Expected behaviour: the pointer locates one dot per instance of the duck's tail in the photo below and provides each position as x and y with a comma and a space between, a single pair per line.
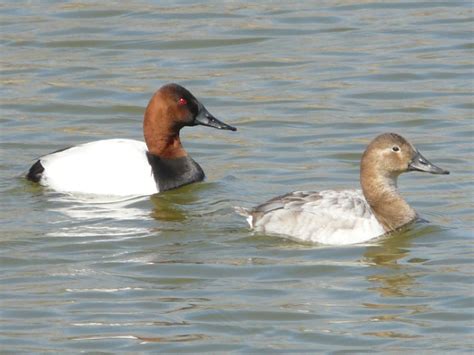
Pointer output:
247, 213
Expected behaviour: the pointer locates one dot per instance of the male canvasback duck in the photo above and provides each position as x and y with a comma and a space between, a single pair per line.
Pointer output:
348, 216
124, 167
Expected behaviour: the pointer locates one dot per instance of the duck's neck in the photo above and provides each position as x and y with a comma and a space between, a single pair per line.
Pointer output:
164, 146
161, 134
388, 206
171, 165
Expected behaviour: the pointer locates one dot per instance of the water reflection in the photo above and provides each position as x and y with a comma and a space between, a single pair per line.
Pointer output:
90, 208
88, 216
181, 204
165, 210
169, 205
395, 283
389, 251
395, 279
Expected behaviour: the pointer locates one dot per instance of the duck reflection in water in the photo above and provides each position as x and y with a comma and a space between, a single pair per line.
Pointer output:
88, 215
392, 260
170, 206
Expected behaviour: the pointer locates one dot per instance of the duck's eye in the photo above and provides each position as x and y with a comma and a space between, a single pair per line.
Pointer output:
395, 148
182, 101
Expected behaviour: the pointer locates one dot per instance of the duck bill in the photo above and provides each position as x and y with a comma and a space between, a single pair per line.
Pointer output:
420, 163
204, 118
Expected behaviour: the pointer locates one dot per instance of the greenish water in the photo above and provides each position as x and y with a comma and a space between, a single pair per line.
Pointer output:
308, 85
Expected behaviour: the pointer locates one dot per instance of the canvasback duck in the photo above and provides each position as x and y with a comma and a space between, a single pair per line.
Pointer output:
125, 167
348, 216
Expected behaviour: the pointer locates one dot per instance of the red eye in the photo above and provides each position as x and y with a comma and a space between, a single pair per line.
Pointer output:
182, 101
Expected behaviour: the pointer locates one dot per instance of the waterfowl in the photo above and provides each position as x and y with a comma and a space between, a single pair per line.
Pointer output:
348, 216
126, 167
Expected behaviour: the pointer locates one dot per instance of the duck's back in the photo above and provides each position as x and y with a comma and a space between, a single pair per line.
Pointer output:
329, 217
107, 167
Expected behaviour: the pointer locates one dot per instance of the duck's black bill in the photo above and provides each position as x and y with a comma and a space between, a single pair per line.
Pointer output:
420, 163
204, 118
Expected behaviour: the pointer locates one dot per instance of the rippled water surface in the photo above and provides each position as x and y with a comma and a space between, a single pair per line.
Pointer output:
308, 84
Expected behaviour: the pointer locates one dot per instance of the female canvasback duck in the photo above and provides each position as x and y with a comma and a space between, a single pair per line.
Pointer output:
348, 216
125, 167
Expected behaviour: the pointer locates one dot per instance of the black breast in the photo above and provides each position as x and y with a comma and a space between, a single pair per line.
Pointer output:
172, 173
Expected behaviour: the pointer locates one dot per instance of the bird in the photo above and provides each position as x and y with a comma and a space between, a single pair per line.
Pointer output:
126, 167
343, 217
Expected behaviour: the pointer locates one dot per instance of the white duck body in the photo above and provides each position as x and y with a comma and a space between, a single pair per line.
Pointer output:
106, 167
327, 217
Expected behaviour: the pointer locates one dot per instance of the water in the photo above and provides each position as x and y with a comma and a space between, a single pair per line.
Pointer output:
308, 85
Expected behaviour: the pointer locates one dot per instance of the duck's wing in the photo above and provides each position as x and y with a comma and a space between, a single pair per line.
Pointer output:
331, 217
293, 199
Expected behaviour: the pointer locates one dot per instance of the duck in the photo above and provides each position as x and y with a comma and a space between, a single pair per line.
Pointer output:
352, 216
127, 167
